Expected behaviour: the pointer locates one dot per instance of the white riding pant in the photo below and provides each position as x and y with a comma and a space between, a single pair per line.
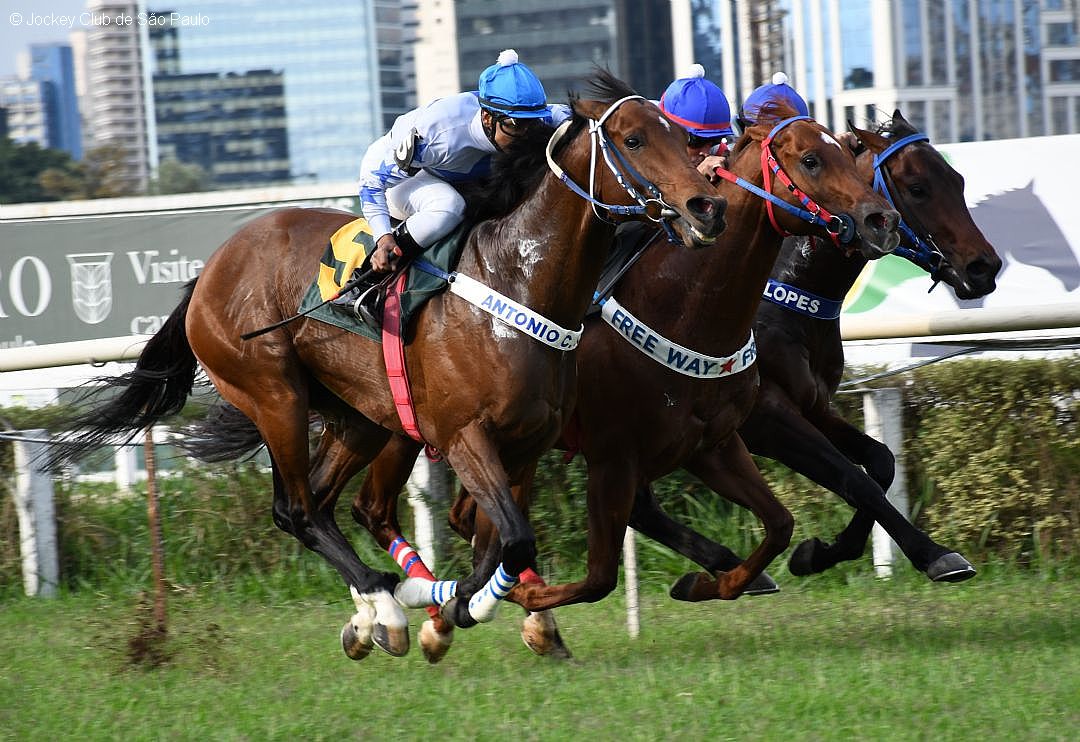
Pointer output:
430, 207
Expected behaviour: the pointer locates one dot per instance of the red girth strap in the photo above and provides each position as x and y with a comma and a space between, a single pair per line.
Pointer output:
394, 357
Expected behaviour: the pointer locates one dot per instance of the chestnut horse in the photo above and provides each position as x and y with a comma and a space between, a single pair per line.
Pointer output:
639, 419
489, 398
801, 361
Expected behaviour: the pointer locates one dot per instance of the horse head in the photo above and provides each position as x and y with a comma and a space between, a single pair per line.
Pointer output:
647, 165
929, 194
807, 159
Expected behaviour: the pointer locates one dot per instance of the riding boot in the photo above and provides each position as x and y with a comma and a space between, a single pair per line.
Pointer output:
368, 306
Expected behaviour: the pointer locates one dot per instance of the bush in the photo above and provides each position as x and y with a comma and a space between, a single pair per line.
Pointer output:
991, 447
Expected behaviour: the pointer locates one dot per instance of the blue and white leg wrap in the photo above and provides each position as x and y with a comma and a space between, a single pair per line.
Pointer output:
417, 592
485, 603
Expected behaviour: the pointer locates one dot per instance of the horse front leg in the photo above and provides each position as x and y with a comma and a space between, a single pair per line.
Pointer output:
650, 520
786, 436
729, 470
539, 630
610, 497
476, 460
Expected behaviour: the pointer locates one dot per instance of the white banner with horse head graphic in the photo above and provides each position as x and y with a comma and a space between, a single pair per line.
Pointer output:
1022, 196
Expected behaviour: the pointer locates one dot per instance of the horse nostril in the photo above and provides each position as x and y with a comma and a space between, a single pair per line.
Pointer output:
707, 208
882, 222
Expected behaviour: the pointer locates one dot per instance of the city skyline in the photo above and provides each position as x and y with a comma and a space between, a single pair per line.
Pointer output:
16, 39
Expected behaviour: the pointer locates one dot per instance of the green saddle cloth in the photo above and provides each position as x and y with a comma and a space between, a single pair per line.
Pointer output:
419, 287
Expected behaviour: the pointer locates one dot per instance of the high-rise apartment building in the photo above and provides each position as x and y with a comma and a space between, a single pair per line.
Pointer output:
118, 109
26, 117
435, 50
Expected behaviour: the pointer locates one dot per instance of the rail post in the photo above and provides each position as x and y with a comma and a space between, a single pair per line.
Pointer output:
37, 517
883, 418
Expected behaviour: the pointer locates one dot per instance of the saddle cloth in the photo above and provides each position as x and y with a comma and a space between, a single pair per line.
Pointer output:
347, 249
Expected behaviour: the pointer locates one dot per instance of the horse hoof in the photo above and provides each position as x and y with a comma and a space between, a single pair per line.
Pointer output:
950, 568
456, 611
801, 562
694, 587
357, 646
433, 644
394, 640
763, 584
541, 636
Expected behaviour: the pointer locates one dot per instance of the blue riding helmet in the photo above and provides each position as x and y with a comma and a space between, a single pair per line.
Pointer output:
698, 105
510, 88
779, 91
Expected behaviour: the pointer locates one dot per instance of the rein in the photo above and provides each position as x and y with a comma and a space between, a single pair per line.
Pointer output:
654, 208
923, 252
841, 228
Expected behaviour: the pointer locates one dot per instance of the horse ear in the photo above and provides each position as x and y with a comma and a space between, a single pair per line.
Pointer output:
590, 109
874, 142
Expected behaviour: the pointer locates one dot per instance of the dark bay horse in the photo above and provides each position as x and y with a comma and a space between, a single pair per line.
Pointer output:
638, 419
489, 398
801, 361
802, 358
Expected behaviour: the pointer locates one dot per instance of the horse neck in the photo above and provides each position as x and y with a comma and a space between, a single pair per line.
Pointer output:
546, 254
818, 266
706, 298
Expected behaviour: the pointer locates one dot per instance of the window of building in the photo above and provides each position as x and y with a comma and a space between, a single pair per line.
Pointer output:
913, 43
1059, 115
1065, 70
1060, 34
915, 113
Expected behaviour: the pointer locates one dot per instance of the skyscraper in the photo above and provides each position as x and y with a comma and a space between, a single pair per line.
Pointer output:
52, 66
561, 41
961, 69
326, 54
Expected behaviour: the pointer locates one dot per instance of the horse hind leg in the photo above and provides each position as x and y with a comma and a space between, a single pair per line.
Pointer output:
281, 415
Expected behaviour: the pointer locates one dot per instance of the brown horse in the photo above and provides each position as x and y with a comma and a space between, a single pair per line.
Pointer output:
640, 420
491, 399
801, 362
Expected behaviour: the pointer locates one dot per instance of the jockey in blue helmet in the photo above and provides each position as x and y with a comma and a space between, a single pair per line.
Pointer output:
779, 91
700, 106
407, 174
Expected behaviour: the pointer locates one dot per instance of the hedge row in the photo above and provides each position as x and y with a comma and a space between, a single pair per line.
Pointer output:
992, 451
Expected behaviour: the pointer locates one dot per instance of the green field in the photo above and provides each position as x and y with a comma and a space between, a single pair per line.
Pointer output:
997, 658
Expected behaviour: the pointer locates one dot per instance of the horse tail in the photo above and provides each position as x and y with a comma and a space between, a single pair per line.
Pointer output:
158, 387
225, 434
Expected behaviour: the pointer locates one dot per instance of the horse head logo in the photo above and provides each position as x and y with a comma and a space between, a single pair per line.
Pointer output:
1018, 224
91, 286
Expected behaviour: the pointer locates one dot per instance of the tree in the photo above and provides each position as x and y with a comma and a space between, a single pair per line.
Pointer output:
174, 176
21, 166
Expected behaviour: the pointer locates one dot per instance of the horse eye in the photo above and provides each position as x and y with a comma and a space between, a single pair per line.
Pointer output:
632, 142
917, 191
811, 162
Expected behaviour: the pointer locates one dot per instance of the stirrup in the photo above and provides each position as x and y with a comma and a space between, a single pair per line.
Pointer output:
364, 311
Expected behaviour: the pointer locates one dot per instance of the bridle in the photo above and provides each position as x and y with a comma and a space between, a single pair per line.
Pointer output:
840, 227
923, 250
653, 207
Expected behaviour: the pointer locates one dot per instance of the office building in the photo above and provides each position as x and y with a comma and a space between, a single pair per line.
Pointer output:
25, 114
562, 40
53, 67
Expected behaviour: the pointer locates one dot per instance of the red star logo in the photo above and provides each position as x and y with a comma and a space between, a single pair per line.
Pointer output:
727, 365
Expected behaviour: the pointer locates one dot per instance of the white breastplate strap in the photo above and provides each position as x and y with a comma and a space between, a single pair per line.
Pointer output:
673, 355
515, 315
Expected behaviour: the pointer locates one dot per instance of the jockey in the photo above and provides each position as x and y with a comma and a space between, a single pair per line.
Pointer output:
700, 107
407, 173
779, 91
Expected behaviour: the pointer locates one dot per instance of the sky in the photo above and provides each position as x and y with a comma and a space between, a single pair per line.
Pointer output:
23, 22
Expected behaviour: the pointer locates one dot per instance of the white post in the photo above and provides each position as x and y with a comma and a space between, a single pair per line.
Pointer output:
682, 35
883, 416
37, 519
124, 461
427, 484
633, 618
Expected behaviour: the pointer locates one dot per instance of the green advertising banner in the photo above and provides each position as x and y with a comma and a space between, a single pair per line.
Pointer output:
88, 276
